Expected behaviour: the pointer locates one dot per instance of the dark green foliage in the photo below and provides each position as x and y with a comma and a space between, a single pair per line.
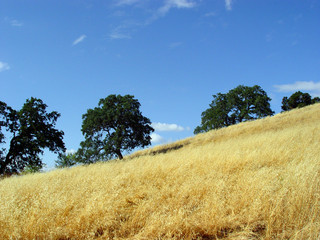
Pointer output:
315, 100
29, 169
217, 116
298, 100
239, 104
92, 151
66, 160
114, 126
33, 130
3, 124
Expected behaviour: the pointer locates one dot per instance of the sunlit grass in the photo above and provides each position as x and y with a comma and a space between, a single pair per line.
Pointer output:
255, 180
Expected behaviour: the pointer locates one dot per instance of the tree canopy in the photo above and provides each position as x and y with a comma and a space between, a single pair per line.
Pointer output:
116, 125
239, 104
298, 100
32, 130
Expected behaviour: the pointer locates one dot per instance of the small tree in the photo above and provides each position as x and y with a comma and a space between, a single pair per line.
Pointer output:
66, 160
239, 104
116, 125
29, 169
298, 100
315, 100
33, 130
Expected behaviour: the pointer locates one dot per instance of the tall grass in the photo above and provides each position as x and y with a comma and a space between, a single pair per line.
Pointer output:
255, 180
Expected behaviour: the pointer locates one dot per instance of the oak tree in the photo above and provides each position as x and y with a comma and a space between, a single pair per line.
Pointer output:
239, 104
32, 130
116, 125
298, 100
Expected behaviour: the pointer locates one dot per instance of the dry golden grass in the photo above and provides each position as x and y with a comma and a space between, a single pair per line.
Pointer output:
255, 180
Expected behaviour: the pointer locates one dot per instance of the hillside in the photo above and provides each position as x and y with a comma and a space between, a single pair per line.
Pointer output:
254, 180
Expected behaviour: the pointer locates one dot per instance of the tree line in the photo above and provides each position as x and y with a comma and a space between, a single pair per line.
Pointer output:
245, 103
115, 126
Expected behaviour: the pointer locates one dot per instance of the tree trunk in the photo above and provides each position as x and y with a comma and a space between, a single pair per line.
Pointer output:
118, 152
2, 167
9, 157
4, 164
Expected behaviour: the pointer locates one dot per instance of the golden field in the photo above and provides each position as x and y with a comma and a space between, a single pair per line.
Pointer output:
254, 180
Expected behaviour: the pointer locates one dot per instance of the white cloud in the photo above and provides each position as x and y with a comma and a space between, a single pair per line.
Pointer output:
13, 22
79, 39
70, 151
303, 85
311, 86
118, 35
156, 138
181, 3
161, 127
228, 4
126, 2
126, 29
269, 37
175, 44
210, 14
16, 23
175, 4
4, 66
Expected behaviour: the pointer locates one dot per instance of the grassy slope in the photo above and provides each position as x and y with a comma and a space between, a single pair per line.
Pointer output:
255, 180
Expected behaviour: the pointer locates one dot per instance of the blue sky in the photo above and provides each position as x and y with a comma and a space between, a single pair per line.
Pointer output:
172, 55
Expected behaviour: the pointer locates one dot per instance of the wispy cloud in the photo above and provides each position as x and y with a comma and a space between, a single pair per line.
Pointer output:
128, 27
312, 87
4, 66
125, 2
13, 22
228, 4
79, 39
169, 4
175, 44
119, 35
124, 30
16, 23
166, 127
210, 14
269, 37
